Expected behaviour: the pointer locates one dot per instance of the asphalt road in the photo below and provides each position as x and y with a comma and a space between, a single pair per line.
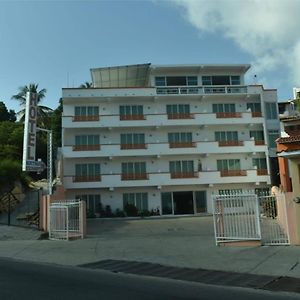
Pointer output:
24, 280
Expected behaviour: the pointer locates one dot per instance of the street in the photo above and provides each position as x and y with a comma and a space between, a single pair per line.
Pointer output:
24, 280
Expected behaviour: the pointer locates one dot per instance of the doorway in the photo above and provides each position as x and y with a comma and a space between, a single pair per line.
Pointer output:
183, 203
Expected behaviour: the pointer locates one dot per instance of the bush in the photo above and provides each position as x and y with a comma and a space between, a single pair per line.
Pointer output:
119, 213
144, 213
131, 210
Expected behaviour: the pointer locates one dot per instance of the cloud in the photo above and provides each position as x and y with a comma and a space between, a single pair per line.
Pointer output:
268, 30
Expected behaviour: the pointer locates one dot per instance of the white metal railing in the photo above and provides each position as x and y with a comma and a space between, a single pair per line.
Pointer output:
201, 90
65, 220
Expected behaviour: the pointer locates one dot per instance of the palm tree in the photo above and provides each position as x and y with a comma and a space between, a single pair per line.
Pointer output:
86, 85
42, 112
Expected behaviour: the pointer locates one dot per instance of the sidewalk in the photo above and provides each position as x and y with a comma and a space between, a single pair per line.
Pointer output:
181, 242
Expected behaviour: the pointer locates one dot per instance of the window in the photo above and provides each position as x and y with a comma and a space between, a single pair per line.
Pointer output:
201, 201
180, 139
227, 138
271, 110
192, 80
273, 135
86, 113
255, 109
139, 200
131, 112
176, 80
182, 169
134, 171
133, 141
230, 167
166, 203
93, 203
87, 172
261, 165
179, 111
86, 142
230, 191
258, 136
221, 80
235, 80
160, 81
223, 107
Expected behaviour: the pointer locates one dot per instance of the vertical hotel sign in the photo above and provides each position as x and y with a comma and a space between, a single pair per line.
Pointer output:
29, 142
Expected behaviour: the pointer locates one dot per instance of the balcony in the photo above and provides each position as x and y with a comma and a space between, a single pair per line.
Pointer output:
175, 175
205, 177
181, 116
200, 90
221, 115
132, 117
132, 146
261, 172
183, 145
259, 142
230, 143
163, 119
85, 118
86, 147
87, 178
141, 176
256, 114
230, 173
162, 149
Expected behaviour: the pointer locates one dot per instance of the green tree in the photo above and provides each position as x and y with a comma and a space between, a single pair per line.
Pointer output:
86, 85
42, 112
56, 124
6, 115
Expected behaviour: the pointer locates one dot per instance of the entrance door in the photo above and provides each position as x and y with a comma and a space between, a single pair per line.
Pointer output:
183, 203
166, 203
201, 203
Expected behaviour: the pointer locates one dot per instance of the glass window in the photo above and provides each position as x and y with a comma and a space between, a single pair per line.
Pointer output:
226, 136
128, 110
206, 80
166, 203
201, 201
228, 164
255, 107
223, 107
192, 80
273, 136
176, 80
258, 135
235, 80
271, 110
260, 163
160, 81
139, 200
220, 80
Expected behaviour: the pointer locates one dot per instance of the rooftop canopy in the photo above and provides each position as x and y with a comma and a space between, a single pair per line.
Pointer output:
121, 76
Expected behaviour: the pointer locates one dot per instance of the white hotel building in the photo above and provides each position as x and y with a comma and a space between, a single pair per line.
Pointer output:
167, 137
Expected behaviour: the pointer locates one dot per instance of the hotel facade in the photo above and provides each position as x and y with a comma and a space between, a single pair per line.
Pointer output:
167, 137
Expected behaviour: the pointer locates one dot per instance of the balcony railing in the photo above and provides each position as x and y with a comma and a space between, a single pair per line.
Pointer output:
132, 117
256, 114
220, 115
261, 172
175, 175
201, 90
259, 142
87, 178
141, 176
182, 145
85, 118
229, 173
181, 116
230, 143
133, 146
86, 147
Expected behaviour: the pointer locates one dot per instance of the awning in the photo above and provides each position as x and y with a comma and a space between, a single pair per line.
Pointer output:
121, 76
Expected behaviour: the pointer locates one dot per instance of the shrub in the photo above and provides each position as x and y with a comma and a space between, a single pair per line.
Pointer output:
131, 210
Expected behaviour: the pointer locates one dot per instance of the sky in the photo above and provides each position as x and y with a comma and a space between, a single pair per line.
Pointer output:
55, 43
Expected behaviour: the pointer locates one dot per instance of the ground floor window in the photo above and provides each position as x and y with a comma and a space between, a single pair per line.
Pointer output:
139, 200
92, 202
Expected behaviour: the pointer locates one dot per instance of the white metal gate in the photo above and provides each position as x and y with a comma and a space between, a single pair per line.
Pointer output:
65, 220
244, 217
236, 218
